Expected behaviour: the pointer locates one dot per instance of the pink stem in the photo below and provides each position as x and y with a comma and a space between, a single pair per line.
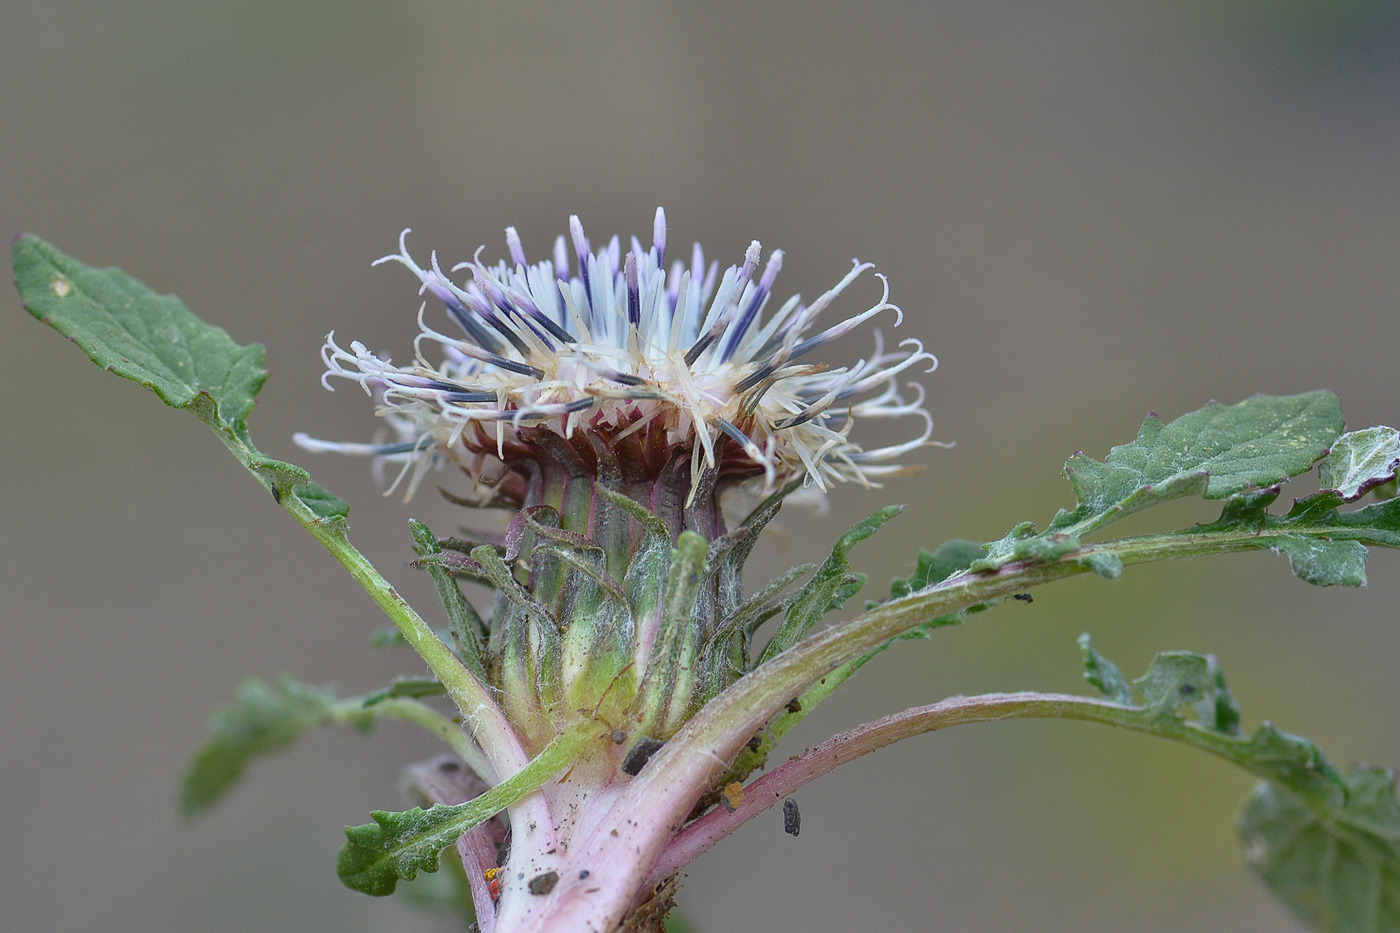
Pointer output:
447, 780
799, 770
653, 807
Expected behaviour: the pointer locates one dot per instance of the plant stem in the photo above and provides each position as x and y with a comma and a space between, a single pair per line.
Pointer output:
800, 770
477, 846
488, 724
423, 715
654, 806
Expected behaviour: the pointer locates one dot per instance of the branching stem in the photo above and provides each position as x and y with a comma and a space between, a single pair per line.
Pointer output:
421, 714
688, 764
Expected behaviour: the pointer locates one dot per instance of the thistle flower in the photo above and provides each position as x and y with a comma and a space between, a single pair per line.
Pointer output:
609, 402
687, 368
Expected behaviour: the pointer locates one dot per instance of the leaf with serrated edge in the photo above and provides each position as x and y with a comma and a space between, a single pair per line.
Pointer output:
1337, 868
155, 341
1215, 452
1262, 440
129, 330
1360, 461
396, 846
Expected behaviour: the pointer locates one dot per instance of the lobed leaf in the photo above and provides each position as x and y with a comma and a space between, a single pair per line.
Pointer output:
1324, 545
1327, 845
1216, 452
396, 846
1184, 696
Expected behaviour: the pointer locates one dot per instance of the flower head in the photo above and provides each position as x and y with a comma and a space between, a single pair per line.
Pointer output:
689, 369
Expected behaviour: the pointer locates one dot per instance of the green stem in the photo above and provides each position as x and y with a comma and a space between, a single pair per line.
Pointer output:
396, 846
753, 699
479, 710
349, 711
555, 756
688, 764
764, 691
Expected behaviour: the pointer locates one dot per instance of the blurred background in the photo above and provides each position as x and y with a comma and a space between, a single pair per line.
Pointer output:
1088, 210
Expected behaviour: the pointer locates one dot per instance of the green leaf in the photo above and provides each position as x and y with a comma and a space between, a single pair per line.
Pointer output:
1175, 679
1022, 543
1229, 452
1324, 563
129, 330
1360, 461
1104, 675
1328, 845
1337, 867
1215, 452
446, 893
396, 846
263, 721
1184, 697
155, 341
411, 687
1375, 524
1104, 563
1293, 762
829, 588
323, 503
1324, 545
468, 629
936, 566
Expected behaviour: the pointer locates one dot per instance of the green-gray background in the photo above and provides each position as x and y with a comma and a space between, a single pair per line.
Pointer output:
1087, 210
